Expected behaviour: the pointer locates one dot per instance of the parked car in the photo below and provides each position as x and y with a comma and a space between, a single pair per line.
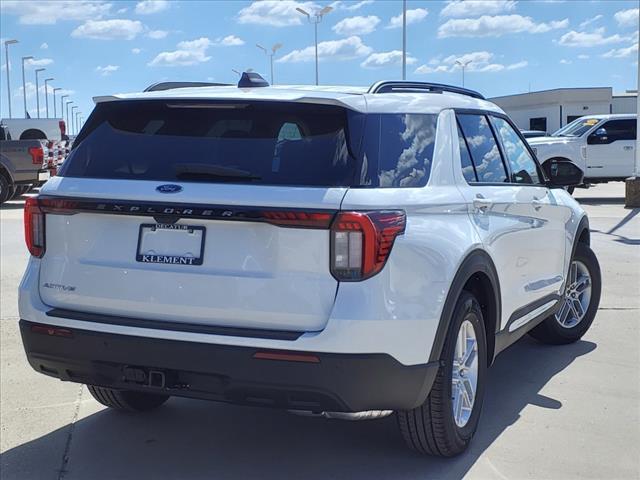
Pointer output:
36, 128
352, 251
22, 165
603, 146
533, 133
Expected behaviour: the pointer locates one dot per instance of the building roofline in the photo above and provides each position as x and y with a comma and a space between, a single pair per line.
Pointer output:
550, 90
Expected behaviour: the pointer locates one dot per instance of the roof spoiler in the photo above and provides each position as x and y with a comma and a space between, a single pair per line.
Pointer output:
391, 86
157, 87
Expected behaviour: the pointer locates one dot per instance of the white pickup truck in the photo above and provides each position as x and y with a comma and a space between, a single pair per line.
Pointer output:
603, 146
54, 129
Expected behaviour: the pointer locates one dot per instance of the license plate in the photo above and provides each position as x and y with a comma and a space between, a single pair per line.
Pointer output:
170, 243
43, 176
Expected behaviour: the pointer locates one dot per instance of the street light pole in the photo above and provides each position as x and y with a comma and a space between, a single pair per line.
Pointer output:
55, 115
404, 39
274, 49
67, 109
62, 97
24, 86
463, 65
73, 116
632, 184
46, 94
6, 64
317, 18
38, 70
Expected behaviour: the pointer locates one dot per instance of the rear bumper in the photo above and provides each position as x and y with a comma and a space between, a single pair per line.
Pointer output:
336, 382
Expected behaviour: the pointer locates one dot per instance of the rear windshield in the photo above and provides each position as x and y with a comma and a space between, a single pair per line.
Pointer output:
269, 143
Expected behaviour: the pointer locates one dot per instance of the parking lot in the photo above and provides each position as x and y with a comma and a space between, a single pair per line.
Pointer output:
550, 412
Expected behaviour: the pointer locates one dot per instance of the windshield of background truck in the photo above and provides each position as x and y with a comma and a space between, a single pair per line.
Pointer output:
577, 128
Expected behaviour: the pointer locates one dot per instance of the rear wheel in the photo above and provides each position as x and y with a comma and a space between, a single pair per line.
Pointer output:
445, 423
579, 304
6, 190
127, 400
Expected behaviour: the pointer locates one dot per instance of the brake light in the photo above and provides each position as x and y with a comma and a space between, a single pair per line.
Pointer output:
361, 242
63, 129
34, 227
37, 155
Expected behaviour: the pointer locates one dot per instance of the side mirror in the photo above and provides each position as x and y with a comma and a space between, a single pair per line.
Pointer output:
599, 136
565, 174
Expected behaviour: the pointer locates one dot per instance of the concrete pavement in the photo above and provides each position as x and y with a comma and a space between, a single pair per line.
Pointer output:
550, 412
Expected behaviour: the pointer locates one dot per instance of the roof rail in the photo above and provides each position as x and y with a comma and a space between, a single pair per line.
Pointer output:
157, 87
389, 86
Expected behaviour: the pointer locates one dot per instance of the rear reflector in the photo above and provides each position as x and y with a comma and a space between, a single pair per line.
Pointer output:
361, 242
52, 331
34, 227
286, 356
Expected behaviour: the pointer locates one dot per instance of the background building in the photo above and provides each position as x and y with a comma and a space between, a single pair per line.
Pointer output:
548, 110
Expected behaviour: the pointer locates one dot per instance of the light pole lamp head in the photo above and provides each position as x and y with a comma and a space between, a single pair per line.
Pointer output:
276, 47
40, 70
324, 11
49, 79
57, 88
24, 59
261, 48
303, 12
10, 42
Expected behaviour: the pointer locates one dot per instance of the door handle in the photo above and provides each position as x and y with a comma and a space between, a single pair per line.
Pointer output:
482, 204
537, 204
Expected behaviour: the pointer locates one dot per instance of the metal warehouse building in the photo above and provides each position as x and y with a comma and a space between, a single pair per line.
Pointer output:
548, 110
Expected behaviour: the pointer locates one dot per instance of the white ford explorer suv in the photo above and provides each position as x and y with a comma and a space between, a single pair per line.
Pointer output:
346, 251
601, 145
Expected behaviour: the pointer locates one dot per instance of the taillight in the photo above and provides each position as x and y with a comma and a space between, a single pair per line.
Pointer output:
361, 242
34, 227
37, 155
63, 129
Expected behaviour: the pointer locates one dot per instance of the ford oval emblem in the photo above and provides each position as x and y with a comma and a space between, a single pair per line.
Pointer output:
169, 188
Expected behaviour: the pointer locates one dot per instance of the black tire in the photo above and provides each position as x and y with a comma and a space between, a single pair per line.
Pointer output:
550, 331
431, 428
127, 400
570, 190
5, 189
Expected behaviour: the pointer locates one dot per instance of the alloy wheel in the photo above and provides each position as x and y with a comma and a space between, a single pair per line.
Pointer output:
577, 296
464, 379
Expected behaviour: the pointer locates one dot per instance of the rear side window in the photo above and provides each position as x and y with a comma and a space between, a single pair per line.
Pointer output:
255, 142
620, 129
523, 166
484, 150
468, 169
401, 146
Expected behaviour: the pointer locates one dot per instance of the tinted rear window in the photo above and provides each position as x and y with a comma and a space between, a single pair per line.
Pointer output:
266, 143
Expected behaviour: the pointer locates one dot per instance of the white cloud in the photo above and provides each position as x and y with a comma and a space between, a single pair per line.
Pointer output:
148, 7
135, 51
187, 53
473, 8
413, 16
345, 49
275, 13
122, 10
583, 57
627, 18
350, 6
40, 62
229, 41
157, 34
107, 70
48, 13
356, 25
482, 61
564, 61
589, 39
621, 52
496, 26
386, 59
115, 29
589, 21
44, 46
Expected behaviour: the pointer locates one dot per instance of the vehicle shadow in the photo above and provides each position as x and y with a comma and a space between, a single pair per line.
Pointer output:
197, 439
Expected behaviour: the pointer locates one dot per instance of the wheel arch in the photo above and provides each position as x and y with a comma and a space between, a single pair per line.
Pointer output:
33, 134
476, 274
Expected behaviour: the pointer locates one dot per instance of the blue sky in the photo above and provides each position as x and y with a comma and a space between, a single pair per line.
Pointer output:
98, 48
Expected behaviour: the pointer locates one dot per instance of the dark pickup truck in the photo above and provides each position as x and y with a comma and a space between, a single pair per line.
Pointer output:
22, 165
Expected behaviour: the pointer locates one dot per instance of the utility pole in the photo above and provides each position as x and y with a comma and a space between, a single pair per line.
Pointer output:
317, 18
24, 86
632, 184
46, 94
404, 39
62, 97
6, 64
67, 120
73, 116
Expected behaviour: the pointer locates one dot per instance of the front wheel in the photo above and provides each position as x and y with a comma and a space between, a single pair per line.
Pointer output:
579, 302
445, 423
